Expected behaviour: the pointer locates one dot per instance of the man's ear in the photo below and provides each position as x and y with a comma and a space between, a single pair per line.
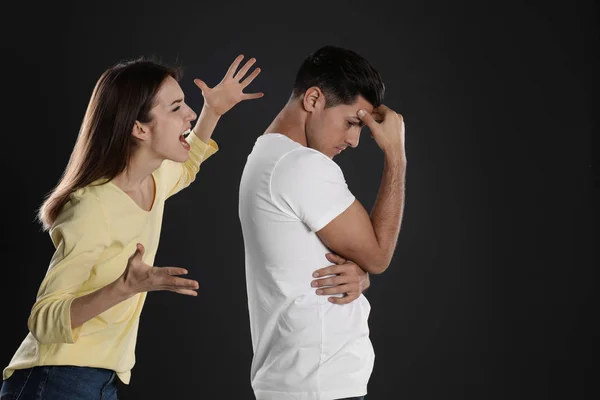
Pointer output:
313, 99
140, 131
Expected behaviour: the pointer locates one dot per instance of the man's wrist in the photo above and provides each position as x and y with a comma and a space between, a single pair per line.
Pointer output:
395, 156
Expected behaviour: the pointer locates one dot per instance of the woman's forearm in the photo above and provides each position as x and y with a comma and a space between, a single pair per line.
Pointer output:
205, 126
93, 304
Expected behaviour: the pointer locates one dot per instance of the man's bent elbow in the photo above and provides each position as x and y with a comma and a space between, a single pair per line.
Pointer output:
377, 267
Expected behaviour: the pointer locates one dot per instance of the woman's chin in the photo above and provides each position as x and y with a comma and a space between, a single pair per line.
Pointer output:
179, 156
183, 158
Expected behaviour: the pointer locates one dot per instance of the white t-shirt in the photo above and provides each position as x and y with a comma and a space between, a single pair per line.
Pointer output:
305, 348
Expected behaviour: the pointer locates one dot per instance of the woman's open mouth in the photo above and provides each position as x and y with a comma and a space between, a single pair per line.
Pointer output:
182, 140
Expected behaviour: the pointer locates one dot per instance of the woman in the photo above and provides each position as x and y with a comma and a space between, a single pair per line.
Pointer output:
135, 149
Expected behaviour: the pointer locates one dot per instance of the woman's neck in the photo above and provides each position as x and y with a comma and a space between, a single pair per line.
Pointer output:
139, 168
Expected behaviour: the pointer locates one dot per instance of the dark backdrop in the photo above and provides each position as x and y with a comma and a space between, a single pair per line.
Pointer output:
489, 293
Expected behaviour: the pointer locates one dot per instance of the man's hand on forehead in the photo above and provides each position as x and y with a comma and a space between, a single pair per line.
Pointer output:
377, 116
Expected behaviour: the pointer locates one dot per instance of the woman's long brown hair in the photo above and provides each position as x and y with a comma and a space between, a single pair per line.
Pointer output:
123, 94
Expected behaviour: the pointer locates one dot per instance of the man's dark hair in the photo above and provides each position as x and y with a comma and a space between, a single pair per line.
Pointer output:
341, 75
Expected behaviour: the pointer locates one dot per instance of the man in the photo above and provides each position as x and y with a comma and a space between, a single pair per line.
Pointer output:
294, 208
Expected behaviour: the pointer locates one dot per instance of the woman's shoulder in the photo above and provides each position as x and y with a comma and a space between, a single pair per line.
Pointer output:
83, 214
84, 202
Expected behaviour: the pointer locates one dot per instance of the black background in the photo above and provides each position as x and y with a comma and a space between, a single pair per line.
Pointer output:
489, 295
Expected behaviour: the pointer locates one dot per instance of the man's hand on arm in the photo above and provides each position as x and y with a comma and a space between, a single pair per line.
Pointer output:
349, 280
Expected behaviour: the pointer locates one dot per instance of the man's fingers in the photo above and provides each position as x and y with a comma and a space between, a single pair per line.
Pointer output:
330, 270
346, 267
367, 119
331, 281
377, 117
340, 289
383, 110
334, 258
343, 300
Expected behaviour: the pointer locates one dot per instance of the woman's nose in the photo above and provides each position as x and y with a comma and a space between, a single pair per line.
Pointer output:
192, 115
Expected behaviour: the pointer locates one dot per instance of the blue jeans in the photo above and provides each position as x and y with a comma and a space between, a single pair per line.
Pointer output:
60, 382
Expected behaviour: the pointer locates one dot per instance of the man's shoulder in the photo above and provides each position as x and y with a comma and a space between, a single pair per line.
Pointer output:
306, 160
281, 146
280, 155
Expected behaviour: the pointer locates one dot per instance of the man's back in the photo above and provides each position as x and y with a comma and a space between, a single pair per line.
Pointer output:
304, 346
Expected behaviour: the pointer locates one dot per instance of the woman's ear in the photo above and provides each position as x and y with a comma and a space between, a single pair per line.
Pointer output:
140, 131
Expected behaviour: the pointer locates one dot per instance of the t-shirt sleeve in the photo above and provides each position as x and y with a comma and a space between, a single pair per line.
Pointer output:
177, 176
80, 234
309, 186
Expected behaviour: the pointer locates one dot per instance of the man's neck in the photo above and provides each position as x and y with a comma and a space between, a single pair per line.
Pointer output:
290, 122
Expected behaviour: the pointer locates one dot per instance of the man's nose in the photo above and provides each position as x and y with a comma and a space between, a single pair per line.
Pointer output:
353, 139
